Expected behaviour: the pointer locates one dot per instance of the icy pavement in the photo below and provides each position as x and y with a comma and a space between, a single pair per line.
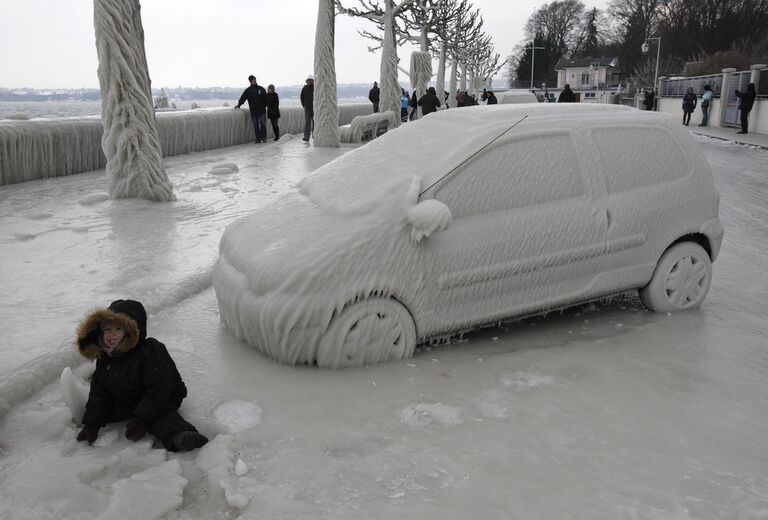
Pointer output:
601, 412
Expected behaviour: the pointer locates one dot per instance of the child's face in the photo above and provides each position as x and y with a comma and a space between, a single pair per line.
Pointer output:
112, 335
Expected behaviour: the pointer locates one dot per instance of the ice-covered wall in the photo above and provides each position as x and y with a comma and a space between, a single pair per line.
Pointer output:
42, 149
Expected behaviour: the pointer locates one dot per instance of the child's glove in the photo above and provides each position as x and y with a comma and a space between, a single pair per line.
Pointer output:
135, 429
88, 433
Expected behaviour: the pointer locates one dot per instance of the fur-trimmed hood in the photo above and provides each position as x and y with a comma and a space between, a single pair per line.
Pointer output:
127, 314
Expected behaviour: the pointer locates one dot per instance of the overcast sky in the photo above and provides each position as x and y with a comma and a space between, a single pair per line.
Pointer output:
204, 43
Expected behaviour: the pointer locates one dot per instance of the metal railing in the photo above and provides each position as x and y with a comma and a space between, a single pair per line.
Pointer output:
677, 87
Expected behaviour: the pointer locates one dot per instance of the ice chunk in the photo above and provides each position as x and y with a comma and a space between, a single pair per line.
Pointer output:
74, 392
241, 468
93, 198
147, 495
236, 416
424, 414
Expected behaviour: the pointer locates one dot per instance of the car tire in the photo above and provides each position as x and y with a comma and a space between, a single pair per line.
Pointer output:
368, 332
681, 279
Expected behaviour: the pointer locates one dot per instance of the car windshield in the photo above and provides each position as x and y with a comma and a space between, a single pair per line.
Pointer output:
381, 171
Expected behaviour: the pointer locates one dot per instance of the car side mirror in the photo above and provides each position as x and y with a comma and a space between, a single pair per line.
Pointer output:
426, 217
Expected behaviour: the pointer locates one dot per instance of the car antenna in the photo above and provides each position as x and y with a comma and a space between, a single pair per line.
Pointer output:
471, 156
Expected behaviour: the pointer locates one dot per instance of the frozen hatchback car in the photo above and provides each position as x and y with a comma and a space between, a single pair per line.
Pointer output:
466, 217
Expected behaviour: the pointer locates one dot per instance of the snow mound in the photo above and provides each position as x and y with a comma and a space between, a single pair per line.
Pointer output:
427, 217
93, 198
521, 381
223, 169
147, 495
236, 416
424, 414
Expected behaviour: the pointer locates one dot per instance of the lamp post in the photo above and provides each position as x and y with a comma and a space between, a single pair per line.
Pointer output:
595, 67
533, 56
645, 48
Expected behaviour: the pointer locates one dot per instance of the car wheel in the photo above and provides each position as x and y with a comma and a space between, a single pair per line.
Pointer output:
368, 332
681, 279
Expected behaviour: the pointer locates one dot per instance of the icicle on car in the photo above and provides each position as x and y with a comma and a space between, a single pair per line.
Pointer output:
394, 243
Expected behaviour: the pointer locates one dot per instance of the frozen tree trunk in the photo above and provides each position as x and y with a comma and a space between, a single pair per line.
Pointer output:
130, 140
464, 77
325, 102
390, 89
421, 73
440, 81
452, 85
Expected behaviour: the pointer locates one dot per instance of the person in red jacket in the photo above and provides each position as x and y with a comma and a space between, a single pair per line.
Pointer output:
135, 379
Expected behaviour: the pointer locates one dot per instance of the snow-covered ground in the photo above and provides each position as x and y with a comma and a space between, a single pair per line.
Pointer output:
602, 412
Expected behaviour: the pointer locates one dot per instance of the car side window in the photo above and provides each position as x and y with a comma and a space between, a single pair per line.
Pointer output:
514, 173
649, 156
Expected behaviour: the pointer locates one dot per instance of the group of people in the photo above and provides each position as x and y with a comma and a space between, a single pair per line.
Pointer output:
746, 102
265, 104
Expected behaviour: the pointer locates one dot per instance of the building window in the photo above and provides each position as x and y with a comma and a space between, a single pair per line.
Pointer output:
585, 77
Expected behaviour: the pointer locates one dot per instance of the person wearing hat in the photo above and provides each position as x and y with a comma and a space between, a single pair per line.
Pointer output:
135, 379
307, 97
257, 104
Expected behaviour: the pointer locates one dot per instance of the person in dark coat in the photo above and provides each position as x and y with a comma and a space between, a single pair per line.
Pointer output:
414, 104
135, 379
491, 98
273, 110
257, 104
307, 97
461, 98
689, 105
649, 99
429, 102
567, 95
373, 96
745, 106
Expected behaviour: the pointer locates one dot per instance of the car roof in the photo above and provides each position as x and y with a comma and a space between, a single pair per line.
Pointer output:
435, 144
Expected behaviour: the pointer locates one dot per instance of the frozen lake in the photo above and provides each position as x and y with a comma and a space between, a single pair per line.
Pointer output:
605, 411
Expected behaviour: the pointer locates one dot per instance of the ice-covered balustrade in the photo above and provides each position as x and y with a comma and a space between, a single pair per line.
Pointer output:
42, 149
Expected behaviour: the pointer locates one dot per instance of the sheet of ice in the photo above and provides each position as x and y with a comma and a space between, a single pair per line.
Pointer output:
424, 414
74, 392
663, 417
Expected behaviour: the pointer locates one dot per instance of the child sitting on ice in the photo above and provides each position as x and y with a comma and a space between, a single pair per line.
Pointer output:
135, 379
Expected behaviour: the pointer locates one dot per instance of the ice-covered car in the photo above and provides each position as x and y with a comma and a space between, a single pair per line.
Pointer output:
466, 217
507, 97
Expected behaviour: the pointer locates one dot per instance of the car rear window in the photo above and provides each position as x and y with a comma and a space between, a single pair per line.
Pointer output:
637, 157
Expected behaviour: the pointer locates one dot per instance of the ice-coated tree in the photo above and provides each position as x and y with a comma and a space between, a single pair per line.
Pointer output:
130, 140
388, 73
421, 73
325, 102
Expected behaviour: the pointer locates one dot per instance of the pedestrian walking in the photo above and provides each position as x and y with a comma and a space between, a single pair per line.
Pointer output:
404, 103
429, 102
257, 105
689, 105
307, 98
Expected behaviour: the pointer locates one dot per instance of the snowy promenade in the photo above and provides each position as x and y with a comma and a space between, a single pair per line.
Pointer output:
602, 412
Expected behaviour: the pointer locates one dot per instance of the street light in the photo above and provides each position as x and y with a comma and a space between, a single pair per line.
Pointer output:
595, 67
645, 48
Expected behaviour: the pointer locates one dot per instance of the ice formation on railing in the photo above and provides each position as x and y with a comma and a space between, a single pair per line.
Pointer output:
41, 149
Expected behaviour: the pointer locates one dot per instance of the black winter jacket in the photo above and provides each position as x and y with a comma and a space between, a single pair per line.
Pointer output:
429, 103
139, 379
273, 105
747, 99
257, 99
307, 97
